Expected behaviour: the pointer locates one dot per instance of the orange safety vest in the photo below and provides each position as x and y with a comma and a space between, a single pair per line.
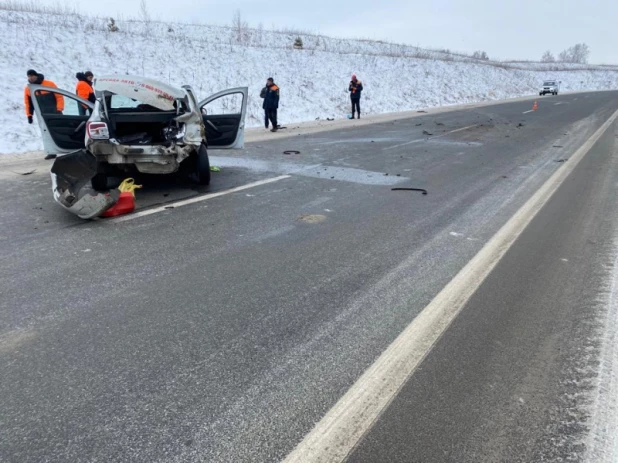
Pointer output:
28, 98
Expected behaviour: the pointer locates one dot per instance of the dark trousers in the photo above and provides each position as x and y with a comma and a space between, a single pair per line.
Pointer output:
266, 118
272, 116
355, 106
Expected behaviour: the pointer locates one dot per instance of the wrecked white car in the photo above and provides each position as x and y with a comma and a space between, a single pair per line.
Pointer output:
135, 123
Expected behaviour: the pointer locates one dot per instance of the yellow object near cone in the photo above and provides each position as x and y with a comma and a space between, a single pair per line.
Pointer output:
535, 106
128, 186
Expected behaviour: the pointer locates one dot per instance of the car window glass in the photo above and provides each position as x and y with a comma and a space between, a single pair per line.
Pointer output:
120, 101
55, 103
226, 104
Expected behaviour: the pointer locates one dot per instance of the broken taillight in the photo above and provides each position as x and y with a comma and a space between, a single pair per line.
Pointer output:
97, 130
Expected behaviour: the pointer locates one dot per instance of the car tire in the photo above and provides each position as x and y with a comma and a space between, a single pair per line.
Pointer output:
202, 166
99, 182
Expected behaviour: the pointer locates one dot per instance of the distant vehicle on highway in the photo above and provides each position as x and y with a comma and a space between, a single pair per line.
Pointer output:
550, 86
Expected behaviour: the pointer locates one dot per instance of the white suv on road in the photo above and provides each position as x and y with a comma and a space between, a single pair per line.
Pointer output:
550, 86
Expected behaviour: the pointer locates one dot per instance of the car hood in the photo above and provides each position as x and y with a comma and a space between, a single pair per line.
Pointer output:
148, 91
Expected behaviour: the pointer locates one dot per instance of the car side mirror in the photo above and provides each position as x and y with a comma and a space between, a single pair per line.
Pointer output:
204, 111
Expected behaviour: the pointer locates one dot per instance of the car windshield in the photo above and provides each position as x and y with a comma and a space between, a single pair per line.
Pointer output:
121, 102
549, 83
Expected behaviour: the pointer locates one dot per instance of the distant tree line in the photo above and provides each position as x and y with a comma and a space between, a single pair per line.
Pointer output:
578, 53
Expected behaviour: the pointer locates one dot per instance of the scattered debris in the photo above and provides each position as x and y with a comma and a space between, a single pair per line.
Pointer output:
422, 112
438, 123
25, 173
215, 169
505, 176
561, 160
427, 133
419, 124
169, 207
507, 136
520, 125
410, 189
557, 146
291, 152
330, 118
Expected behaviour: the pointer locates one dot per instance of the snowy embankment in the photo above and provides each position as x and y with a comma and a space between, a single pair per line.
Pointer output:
313, 80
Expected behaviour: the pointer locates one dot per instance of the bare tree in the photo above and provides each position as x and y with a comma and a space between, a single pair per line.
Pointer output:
240, 27
548, 57
144, 14
578, 53
480, 55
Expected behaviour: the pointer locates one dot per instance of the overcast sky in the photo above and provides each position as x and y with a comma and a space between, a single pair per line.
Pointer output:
521, 29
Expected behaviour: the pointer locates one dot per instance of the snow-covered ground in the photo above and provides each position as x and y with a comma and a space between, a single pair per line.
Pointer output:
602, 444
313, 80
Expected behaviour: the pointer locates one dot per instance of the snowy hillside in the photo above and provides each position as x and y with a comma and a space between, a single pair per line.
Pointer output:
313, 80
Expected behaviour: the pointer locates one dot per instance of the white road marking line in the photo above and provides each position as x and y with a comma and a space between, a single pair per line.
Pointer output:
193, 200
339, 431
526, 112
428, 139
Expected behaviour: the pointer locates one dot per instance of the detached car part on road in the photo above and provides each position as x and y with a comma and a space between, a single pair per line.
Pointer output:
135, 123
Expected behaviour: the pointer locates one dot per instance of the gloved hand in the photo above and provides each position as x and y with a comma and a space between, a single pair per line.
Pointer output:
29, 119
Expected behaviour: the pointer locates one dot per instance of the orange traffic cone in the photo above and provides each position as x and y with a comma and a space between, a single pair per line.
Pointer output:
535, 106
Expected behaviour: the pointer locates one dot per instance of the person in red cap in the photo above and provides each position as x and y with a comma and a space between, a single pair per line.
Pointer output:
355, 89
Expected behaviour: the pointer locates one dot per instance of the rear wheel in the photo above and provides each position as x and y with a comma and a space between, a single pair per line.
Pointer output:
202, 171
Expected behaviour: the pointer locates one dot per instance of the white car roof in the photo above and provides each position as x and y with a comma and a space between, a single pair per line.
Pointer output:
143, 89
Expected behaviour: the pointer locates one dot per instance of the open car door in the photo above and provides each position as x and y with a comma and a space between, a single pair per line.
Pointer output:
62, 117
224, 118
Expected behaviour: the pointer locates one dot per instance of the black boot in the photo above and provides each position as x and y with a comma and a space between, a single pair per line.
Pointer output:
50, 156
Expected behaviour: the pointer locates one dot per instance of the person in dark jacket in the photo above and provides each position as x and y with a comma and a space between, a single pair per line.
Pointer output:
263, 95
271, 102
84, 89
355, 89
49, 103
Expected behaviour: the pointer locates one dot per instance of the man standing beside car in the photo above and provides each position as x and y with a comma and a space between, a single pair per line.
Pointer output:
271, 102
49, 103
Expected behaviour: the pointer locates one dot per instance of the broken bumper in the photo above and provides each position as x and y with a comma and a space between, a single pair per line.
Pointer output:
70, 173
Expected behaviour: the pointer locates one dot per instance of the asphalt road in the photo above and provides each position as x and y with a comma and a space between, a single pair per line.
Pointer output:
223, 330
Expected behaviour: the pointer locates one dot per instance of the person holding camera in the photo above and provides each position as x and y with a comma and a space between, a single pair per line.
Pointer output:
270, 93
355, 89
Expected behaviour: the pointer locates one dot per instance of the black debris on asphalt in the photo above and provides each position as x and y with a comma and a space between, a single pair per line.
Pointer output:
410, 189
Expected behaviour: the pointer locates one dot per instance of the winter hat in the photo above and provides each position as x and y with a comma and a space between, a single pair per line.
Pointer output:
89, 74
32, 72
